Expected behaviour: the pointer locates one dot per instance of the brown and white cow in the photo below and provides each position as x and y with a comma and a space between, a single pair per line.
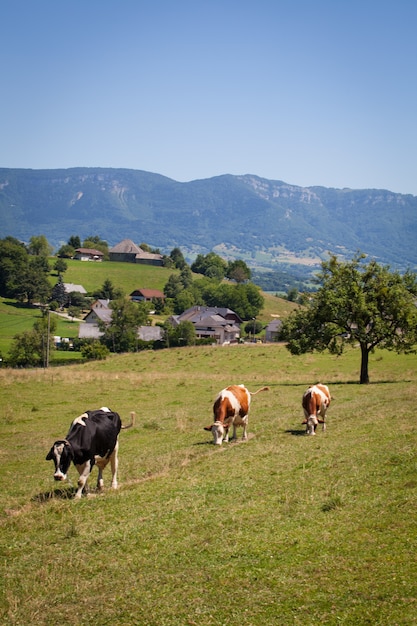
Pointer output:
231, 408
93, 439
316, 401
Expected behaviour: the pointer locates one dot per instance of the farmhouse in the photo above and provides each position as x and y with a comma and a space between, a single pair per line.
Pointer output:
128, 252
146, 295
88, 254
220, 324
150, 333
272, 330
71, 288
101, 312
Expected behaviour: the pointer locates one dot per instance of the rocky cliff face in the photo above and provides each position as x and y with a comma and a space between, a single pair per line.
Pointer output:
260, 220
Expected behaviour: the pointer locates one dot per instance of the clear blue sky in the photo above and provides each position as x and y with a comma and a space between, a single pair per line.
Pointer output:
312, 92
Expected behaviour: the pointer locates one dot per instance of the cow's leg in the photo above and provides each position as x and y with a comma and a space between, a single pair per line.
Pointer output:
234, 435
84, 470
323, 416
100, 481
245, 433
311, 425
114, 464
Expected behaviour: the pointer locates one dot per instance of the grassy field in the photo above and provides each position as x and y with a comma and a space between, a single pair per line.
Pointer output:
126, 276
284, 529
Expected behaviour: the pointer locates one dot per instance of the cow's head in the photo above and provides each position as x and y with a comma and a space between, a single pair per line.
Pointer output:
219, 431
61, 454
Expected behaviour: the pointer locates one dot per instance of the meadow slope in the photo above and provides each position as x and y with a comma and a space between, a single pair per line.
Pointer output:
283, 529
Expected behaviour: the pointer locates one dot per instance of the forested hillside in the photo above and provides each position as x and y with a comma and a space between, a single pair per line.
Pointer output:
269, 224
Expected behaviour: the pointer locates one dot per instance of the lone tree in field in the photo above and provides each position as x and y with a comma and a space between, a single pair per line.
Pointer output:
357, 303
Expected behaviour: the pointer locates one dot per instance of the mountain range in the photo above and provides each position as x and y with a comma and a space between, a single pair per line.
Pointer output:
268, 223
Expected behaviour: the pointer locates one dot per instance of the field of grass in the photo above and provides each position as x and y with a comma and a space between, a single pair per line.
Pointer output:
126, 276
284, 529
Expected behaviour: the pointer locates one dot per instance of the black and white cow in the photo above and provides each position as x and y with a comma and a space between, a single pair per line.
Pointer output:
93, 439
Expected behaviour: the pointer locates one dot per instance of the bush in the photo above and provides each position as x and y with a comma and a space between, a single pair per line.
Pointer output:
94, 351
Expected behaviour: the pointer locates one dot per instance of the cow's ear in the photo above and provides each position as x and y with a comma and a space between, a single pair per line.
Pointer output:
50, 454
207, 427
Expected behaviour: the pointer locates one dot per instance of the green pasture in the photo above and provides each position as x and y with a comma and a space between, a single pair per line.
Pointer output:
16, 318
126, 276
284, 529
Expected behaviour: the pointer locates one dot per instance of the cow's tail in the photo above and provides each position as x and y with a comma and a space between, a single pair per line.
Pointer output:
253, 393
132, 421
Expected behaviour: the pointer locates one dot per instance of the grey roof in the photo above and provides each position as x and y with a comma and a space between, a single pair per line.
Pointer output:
196, 313
148, 255
104, 315
89, 331
210, 320
70, 287
126, 247
150, 333
104, 304
274, 325
89, 251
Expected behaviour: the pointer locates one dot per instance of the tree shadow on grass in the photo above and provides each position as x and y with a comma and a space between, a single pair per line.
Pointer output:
20, 305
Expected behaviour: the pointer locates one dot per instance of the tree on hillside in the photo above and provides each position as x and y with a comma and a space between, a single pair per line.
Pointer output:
33, 285
32, 348
186, 277
210, 265
108, 291
13, 263
246, 300
67, 250
121, 335
95, 243
59, 294
358, 303
173, 286
177, 258
253, 327
39, 246
238, 271
74, 241
60, 266
182, 335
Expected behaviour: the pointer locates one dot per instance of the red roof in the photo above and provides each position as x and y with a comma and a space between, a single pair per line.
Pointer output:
148, 293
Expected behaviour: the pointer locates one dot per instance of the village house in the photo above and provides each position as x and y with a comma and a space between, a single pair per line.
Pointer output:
128, 252
272, 330
71, 288
222, 325
88, 254
146, 295
101, 312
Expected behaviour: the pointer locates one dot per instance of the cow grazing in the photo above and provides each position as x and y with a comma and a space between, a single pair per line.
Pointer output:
316, 400
231, 407
93, 439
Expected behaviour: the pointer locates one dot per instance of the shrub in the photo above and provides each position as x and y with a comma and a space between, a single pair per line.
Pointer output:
94, 351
